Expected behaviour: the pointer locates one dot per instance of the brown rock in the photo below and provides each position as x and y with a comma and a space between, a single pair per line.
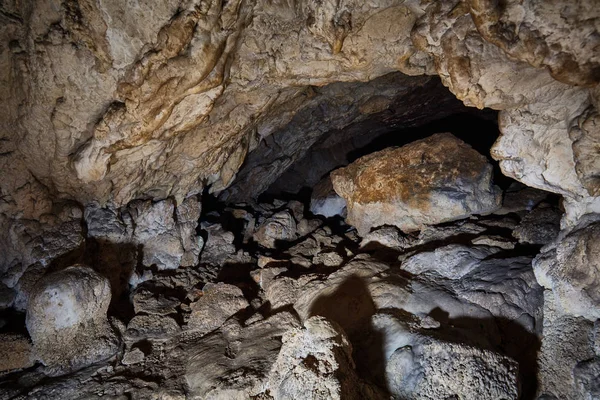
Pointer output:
434, 180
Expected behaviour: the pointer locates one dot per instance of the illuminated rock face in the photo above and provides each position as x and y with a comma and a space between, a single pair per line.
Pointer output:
427, 182
115, 116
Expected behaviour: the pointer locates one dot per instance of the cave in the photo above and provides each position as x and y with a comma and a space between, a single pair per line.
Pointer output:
312, 200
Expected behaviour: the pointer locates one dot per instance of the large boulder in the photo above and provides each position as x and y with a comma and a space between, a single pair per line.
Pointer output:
67, 322
427, 182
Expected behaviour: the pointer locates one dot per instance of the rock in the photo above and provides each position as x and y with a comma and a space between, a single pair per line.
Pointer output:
315, 362
441, 179
218, 302
325, 201
279, 227
148, 302
329, 259
385, 237
570, 268
494, 241
38, 241
7, 296
565, 344
307, 226
586, 375
153, 327
518, 197
234, 362
15, 352
540, 226
219, 245
155, 227
452, 261
132, 357
438, 370
67, 322
163, 232
538, 29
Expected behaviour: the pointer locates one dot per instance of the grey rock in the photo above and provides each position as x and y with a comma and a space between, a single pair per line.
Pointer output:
153, 327
67, 322
315, 362
234, 362
218, 302
325, 201
452, 261
540, 226
571, 269
148, 302
279, 227
132, 357
439, 370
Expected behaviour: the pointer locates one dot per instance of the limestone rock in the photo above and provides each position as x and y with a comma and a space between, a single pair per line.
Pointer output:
315, 362
218, 302
149, 302
15, 352
219, 245
570, 268
437, 370
152, 326
452, 261
565, 344
537, 33
325, 201
235, 361
426, 182
540, 226
30, 241
165, 232
67, 322
279, 227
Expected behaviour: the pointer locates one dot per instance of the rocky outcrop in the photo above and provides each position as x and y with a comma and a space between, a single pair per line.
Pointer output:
67, 321
427, 182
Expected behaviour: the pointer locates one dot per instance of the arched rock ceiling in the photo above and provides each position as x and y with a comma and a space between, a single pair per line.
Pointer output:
110, 101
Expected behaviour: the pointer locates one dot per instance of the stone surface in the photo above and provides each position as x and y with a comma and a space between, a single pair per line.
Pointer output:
281, 227
15, 352
426, 182
218, 303
540, 226
452, 261
325, 201
67, 322
570, 268
438, 370
315, 362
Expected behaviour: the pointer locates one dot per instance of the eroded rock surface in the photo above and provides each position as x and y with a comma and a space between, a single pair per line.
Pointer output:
67, 320
427, 182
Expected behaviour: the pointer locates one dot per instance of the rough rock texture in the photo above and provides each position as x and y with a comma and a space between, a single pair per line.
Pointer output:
315, 362
15, 352
114, 114
325, 201
427, 182
217, 304
67, 321
279, 227
571, 269
445, 370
